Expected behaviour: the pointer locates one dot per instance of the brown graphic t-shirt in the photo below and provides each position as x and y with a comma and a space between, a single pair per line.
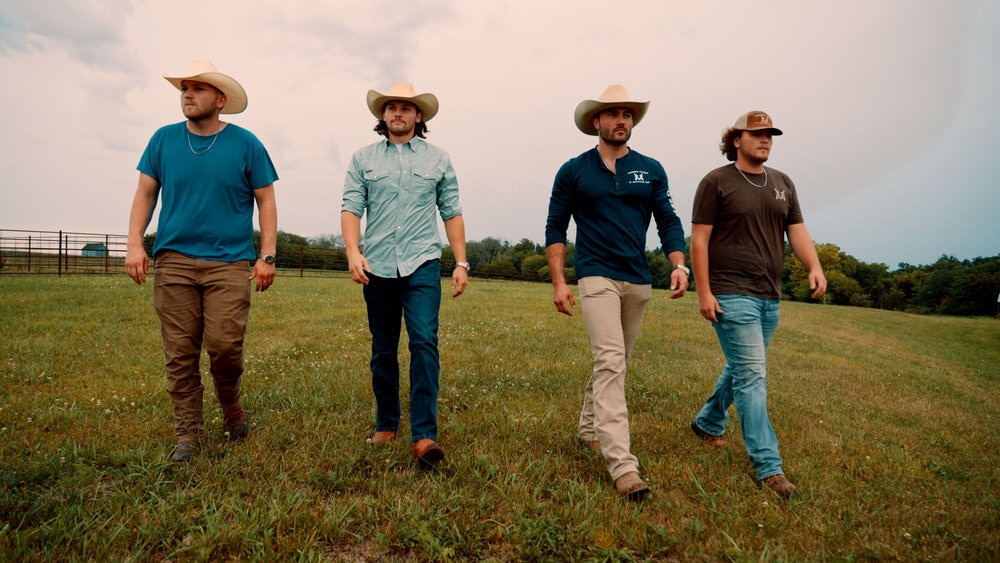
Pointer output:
746, 252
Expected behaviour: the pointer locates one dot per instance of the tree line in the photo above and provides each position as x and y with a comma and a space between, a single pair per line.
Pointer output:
947, 287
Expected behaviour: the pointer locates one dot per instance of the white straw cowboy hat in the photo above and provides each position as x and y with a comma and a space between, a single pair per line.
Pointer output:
615, 96
427, 104
202, 70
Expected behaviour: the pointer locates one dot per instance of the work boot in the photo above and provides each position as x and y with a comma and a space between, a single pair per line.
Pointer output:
630, 486
779, 484
187, 447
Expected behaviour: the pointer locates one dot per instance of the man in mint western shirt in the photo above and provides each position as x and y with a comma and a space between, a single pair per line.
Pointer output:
401, 182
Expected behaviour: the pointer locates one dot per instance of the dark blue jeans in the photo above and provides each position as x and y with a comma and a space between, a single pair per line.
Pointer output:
415, 299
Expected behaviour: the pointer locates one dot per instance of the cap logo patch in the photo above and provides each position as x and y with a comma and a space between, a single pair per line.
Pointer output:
755, 120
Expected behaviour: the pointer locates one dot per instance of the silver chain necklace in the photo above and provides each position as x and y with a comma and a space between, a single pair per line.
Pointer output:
609, 166
214, 139
745, 177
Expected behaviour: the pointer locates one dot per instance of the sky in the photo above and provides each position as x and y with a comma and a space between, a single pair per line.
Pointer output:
889, 108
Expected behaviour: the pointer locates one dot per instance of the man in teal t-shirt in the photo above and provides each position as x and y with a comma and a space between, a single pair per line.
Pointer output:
208, 175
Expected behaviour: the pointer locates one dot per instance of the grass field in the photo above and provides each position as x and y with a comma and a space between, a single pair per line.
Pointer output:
888, 423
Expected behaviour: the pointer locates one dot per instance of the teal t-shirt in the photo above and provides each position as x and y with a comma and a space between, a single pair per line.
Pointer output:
207, 190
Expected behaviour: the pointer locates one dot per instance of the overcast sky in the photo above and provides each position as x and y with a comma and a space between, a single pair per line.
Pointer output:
889, 108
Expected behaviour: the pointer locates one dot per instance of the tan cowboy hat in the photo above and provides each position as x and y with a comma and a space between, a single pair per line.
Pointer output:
615, 96
202, 70
427, 104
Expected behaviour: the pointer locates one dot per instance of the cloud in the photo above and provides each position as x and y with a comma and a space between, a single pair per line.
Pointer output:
88, 31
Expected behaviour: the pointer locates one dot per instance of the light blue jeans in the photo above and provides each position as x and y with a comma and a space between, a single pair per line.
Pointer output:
744, 329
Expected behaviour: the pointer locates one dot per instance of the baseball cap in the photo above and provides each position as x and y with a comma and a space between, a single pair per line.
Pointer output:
754, 121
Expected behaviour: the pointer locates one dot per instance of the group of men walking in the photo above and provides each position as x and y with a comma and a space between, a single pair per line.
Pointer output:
208, 175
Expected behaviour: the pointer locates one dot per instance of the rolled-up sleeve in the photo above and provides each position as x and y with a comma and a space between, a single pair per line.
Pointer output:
449, 205
355, 189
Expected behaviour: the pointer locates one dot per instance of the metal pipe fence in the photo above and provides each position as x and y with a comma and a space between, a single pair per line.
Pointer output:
63, 252
59, 252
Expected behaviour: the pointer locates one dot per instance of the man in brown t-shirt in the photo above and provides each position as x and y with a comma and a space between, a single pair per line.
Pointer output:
742, 213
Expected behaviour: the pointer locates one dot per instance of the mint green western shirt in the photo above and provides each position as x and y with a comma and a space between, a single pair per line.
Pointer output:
401, 188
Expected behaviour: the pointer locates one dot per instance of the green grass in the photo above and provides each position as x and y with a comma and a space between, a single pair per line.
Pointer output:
888, 422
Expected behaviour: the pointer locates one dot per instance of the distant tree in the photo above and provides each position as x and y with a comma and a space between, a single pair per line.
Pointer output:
894, 300
448, 262
544, 275
659, 268
328, 241
520, 251
570, 275
531, 265
501, 267
840, 289
905, 283
570, 256
954, 287
483, 252
875, 283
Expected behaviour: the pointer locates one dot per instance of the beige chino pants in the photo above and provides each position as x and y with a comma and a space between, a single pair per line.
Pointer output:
612, 311
201, 303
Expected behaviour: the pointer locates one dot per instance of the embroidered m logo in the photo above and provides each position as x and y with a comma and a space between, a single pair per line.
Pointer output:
638, 177
780, 194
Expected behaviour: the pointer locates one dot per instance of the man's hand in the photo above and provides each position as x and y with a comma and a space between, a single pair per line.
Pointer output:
357, 264
678, 283
137, 264
709, 306
459, 281
563, 299
817, 283
264, 274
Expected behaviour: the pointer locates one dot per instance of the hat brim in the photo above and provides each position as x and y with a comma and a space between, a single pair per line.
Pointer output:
236, 96
588, 109
774, 130
427, 103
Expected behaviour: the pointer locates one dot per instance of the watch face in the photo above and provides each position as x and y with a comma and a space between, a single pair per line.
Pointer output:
269, 259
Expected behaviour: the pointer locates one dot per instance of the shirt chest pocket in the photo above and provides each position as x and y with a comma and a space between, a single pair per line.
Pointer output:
424, 182
381, 186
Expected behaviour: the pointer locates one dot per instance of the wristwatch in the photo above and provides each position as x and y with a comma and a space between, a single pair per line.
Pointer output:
682, 267
267, 258
464, 265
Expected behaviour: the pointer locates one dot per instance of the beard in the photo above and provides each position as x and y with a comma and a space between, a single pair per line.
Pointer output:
400, 128
196, 114
610, 137
759, 156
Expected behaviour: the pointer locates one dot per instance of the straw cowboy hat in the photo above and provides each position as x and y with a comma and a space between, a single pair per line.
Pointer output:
202, 70
427, 104
615, 96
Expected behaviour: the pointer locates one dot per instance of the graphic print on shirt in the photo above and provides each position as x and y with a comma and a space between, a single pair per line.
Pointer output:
781, 195
638, 176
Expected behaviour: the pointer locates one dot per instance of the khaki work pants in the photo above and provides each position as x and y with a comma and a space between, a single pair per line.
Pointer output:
201, 303
612, 311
